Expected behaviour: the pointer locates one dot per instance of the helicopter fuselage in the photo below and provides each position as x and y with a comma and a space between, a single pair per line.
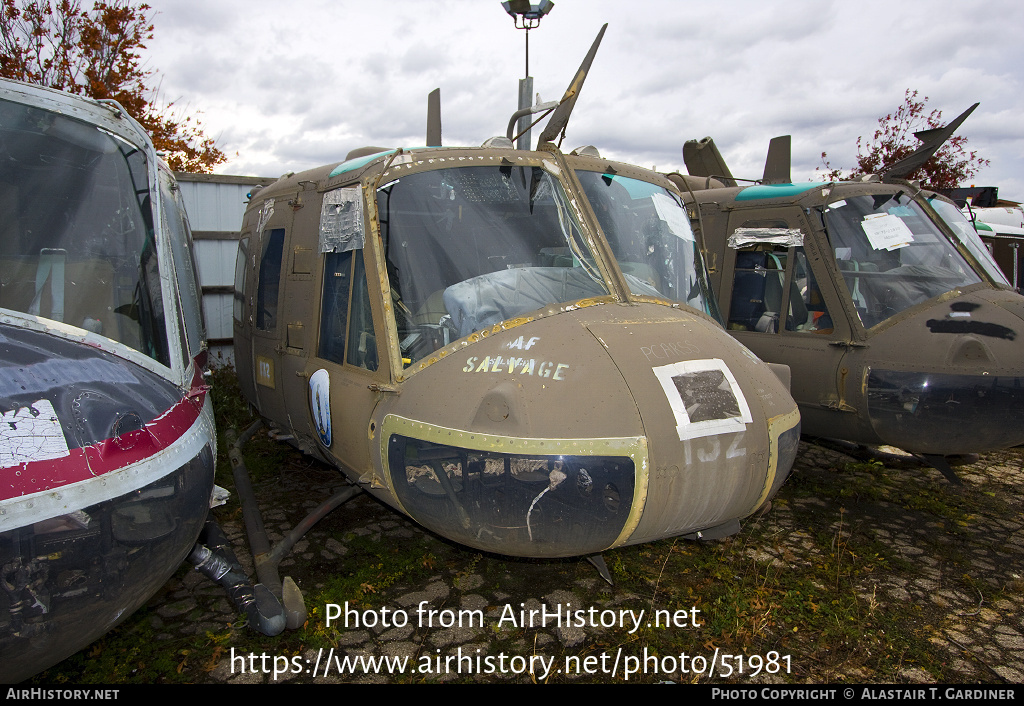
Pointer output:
896, 331
518, 350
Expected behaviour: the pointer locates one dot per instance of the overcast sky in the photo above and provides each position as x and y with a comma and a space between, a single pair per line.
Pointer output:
292, 85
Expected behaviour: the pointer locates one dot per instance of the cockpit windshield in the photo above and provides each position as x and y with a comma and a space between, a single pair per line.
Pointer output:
968, 236
650, 236
76, 225
469, 247
892, 255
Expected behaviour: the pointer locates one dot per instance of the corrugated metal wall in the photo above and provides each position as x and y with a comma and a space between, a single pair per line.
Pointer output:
215, 205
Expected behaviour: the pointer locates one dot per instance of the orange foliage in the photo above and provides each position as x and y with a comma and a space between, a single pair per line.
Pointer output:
97, 53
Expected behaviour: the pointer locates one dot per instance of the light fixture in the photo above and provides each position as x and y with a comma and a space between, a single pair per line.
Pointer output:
527, 15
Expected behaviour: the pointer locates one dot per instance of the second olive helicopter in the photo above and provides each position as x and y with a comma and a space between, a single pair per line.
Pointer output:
898, 329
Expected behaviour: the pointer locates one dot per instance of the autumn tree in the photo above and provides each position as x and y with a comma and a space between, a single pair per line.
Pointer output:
96, 53
894, 140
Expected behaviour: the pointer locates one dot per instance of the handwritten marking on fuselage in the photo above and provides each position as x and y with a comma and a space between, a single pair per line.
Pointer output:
665, 351
513, 366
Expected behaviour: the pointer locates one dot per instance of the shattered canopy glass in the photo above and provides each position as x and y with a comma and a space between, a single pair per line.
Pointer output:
469, 247
76, 225
892, 255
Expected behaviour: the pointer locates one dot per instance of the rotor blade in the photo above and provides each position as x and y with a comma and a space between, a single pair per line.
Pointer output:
776, 166
932, 140
703, 159
560, 117
434, 118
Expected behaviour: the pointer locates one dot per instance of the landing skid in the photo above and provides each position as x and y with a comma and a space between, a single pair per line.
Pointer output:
871, 453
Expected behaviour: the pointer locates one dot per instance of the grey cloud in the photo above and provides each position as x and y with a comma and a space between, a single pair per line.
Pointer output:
297, 83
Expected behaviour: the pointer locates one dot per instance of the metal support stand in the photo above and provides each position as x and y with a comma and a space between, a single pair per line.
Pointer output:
941, 464
267, 559
525, 101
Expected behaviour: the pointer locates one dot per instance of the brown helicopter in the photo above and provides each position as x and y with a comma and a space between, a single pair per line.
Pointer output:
898, 329
517, 349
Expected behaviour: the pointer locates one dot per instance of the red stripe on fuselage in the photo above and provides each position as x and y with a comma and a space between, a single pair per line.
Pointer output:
110, 454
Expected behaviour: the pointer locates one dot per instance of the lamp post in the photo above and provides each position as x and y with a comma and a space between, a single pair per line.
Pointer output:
526, 16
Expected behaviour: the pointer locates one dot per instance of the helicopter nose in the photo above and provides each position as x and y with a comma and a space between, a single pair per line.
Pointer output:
640, 424
972, 398
721, 427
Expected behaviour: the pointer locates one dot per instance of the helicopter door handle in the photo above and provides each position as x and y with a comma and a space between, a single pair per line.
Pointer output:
848, 344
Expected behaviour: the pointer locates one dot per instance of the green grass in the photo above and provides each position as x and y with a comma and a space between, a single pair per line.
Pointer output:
816, 579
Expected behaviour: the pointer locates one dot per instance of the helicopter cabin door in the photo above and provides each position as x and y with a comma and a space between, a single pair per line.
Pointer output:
348, 369
269, 246
781, 304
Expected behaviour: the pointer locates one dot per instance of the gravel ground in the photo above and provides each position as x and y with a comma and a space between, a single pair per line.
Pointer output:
960, 575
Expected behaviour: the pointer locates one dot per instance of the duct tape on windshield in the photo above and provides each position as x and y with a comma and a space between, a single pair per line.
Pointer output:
341, 220
265, 213
790, 237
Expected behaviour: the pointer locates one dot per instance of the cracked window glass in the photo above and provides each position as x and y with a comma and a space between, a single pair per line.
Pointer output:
76, 221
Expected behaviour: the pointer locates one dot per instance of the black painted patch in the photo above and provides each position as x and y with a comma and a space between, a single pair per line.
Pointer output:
980, 328
964, 306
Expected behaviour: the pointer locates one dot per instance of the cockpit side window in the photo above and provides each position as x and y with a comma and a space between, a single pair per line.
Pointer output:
334, 311
185, 268
240, 263
757, 272
270, 280
770, 264
346, 321
808, 312
347, 334
362, 338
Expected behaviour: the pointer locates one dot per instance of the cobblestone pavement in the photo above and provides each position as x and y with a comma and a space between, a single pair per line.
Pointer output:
985, 641
979, 640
